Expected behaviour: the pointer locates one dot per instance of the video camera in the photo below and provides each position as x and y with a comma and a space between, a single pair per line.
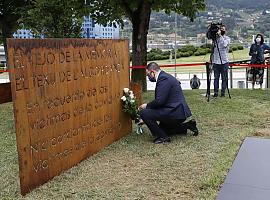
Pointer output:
212, 30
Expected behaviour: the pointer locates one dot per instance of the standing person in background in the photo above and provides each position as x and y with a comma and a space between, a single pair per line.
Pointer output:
220, 61
195, 82
256, 52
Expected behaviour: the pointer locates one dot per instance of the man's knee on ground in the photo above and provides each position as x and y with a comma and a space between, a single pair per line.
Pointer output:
143, 114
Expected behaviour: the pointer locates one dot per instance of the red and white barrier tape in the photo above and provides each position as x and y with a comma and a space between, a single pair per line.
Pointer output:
190, 65
171, 65
203, 64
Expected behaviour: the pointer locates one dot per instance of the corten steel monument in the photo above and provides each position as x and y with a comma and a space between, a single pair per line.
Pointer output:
66, 95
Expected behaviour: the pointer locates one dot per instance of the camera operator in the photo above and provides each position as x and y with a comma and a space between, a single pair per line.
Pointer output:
220, 60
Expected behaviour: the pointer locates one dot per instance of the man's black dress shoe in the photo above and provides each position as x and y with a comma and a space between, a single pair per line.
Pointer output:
215, 95
160, 140
192, 125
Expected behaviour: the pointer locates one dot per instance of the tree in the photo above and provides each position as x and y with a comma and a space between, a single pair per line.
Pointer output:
10, 14
139, 11
56, 18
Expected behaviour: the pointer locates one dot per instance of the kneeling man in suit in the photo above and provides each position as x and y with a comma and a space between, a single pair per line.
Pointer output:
169, 107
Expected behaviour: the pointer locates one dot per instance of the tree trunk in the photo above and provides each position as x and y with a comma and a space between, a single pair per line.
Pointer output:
140, 25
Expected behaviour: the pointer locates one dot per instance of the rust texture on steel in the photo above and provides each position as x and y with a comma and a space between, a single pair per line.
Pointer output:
66, 95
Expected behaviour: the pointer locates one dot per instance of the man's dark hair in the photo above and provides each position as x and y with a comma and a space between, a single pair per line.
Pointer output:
153, 66
223, 26
262, 40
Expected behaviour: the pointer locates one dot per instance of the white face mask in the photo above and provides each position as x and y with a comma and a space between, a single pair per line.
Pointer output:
258, 40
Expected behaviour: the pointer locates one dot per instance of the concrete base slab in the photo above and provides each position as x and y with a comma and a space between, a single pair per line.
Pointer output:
249, 176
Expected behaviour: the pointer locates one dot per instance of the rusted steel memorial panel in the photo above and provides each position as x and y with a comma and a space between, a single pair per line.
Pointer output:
66, 95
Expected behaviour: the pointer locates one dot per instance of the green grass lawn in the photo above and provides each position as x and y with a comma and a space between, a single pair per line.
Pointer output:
4, 75
134, 168
234, 56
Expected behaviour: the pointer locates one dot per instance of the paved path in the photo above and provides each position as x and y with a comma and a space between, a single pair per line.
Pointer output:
249, 176
185, 78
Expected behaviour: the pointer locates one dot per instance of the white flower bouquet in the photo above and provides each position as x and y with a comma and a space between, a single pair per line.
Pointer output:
130, 106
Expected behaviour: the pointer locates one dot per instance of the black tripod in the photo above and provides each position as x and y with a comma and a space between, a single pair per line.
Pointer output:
210, 69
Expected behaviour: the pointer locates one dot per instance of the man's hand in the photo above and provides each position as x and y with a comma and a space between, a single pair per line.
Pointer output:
219, 32
143, 106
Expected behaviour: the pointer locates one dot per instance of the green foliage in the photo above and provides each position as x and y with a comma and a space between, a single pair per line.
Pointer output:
185, 51
178, 55
240, 4
188, 48
1, 67
240, 47
56, 18
206, 46
186, 54
263, 26
10, 13
235, 48
113, 11
201, 51
158, 54
156, 51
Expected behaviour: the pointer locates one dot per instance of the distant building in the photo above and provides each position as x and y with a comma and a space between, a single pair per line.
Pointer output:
90, 29
2, 55
23, 33
106, 32
161, 46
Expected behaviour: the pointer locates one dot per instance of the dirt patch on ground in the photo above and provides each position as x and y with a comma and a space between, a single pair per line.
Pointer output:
263, 132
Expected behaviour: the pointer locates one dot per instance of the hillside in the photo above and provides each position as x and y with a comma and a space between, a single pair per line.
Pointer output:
240, 4
243, 18
240, 16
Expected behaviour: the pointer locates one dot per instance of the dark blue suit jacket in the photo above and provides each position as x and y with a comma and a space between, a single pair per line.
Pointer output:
169, 98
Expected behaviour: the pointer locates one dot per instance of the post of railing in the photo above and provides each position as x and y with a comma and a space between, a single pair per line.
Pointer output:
267, 77
207, 65
231, 77
246, 78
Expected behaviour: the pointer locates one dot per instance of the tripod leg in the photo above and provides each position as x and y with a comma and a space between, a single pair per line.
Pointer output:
229, 92
207, 79
227, 84
208, 74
